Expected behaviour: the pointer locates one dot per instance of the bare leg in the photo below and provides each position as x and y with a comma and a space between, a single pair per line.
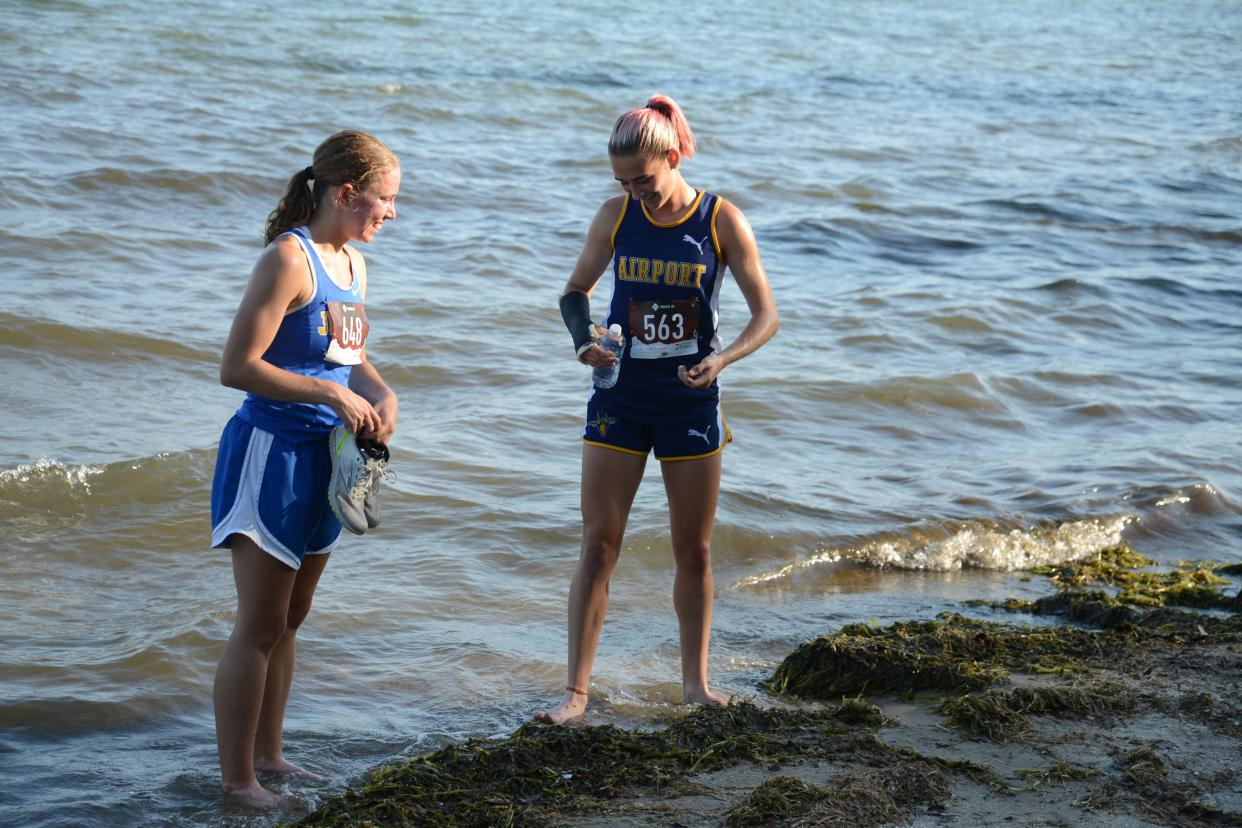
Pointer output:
693, 487
268, 750
609, 482
264, 585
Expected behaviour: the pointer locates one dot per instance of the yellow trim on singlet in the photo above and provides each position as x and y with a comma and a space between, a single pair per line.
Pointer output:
614, 448
612, 238
694, 206
715, 239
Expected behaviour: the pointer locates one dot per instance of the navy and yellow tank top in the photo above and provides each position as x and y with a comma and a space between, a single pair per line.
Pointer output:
665, 295
323, 339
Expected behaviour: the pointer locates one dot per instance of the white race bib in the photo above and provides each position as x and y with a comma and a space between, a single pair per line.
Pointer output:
660, 329
347, 332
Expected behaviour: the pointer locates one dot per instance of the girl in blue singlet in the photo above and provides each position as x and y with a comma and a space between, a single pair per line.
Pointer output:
666, 245
297, 346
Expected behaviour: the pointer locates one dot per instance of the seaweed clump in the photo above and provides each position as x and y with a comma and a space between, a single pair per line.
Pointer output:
954, 654
1101, 610
529, 777
1120, 567
1060, 772
1175, 803
774, 801
1137, 604
1002, 714
856, 798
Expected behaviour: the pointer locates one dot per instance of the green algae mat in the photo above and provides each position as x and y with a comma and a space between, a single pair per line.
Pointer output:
1122, 642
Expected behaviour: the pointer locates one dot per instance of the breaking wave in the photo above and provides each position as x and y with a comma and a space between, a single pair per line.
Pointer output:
966, 545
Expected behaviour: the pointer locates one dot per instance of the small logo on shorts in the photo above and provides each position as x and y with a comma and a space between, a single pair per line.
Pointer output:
698, 244
690, 432
601, 424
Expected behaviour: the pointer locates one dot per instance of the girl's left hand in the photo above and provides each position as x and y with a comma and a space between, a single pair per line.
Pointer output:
703, 374
386, 408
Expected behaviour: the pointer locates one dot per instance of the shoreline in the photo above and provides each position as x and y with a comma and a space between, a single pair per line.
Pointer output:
1115, 700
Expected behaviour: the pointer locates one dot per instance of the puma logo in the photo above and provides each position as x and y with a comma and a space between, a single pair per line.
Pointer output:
698, 244
690, 432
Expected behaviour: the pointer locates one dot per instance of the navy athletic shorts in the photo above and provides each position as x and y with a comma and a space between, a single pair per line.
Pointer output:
701, 433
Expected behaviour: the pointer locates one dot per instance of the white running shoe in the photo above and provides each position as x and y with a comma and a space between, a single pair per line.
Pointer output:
376, 467
350, 480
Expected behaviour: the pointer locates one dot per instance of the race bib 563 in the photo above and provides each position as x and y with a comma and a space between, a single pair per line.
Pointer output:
664, 328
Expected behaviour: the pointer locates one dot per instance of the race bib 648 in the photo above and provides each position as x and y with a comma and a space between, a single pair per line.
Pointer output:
347, 332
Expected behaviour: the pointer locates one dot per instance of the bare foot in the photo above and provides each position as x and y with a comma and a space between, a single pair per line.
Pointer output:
571, 707
284, 766
701, 695
251, 795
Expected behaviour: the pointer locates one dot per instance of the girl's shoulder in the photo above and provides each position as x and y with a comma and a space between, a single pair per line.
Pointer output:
358, 264
613, 206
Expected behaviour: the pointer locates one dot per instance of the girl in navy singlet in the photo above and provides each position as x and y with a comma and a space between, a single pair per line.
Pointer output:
666, 245
297, 346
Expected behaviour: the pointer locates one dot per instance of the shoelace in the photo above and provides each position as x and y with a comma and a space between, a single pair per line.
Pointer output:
364, 484
361, 487
373, 471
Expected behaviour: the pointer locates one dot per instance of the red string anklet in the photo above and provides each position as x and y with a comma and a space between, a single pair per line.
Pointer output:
576, 691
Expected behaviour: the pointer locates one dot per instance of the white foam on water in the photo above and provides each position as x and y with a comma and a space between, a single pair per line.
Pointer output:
47, 470
972, 545
819, 559
1201, 499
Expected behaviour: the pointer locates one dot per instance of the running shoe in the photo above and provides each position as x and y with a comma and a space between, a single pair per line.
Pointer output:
350, 480
376, 467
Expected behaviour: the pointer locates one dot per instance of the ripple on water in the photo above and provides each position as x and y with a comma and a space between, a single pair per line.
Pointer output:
1006, 278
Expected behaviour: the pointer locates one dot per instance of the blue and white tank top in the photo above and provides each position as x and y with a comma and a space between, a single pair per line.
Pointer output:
665, 295
322, 338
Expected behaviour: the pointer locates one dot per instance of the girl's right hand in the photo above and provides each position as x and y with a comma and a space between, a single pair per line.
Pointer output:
595, 356
358, 415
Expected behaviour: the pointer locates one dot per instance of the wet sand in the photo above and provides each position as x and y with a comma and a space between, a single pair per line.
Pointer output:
1104, 703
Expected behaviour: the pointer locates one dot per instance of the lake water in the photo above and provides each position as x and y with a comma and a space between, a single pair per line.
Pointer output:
1004, 242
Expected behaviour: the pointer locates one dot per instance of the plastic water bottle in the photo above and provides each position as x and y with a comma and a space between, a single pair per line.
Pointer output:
614, 343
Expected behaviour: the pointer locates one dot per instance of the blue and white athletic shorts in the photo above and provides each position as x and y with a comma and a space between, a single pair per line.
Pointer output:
701, 433
274, 492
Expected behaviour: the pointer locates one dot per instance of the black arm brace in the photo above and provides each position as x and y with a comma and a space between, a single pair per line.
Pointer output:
576, 311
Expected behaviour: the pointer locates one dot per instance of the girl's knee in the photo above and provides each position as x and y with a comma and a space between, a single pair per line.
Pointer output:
598, 559
694, 559
298, 610
261, 634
